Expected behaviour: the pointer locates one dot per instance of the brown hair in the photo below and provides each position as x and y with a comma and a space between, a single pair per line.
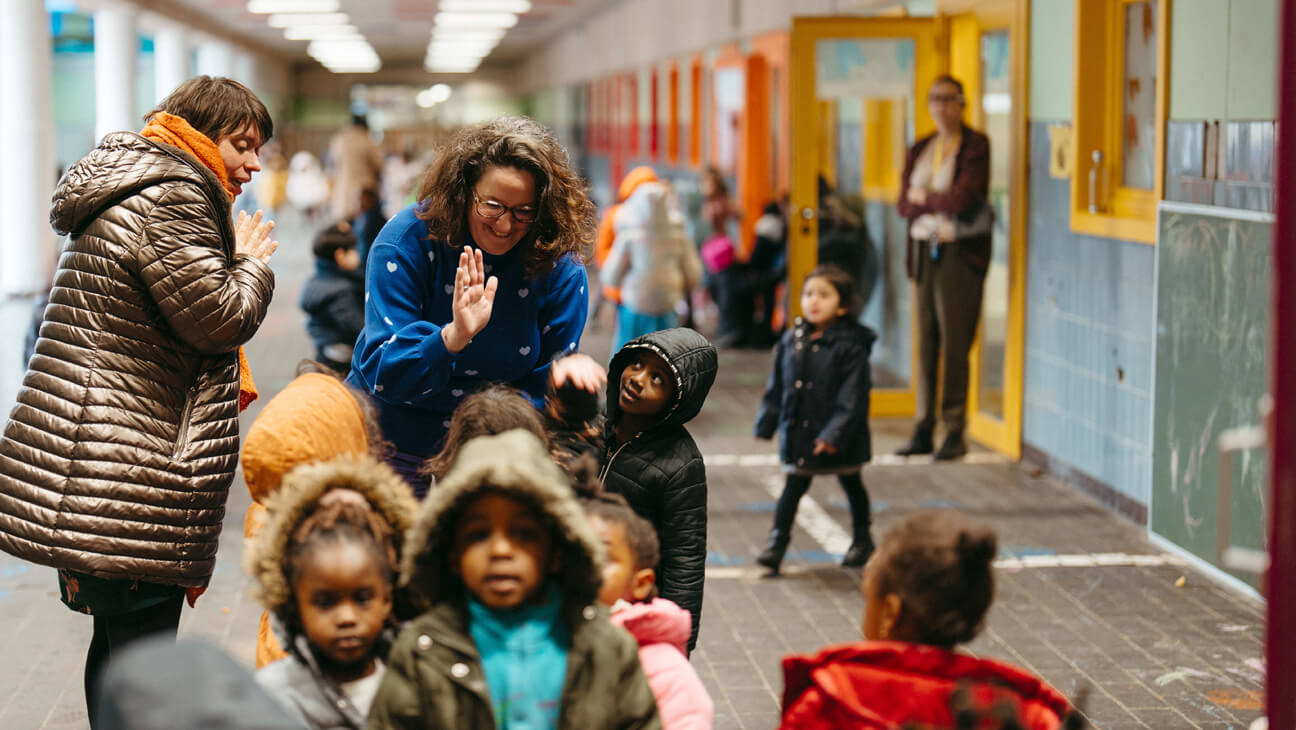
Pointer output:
940, 565
564, 223
947, 79
842, 282
494, 409
338, 522
718, 185
217, 107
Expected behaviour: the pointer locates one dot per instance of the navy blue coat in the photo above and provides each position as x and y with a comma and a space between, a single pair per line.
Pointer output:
819, 390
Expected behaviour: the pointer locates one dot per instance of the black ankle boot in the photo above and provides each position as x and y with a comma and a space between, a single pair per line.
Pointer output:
861, 549
953, 447
772, 556
921, 443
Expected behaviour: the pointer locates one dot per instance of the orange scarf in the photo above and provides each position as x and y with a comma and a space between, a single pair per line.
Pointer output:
175, 131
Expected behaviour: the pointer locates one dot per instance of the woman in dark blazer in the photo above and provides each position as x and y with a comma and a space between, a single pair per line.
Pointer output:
943, 194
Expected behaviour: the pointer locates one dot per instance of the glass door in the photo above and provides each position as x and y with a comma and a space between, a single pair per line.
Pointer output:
986, 52
856, 86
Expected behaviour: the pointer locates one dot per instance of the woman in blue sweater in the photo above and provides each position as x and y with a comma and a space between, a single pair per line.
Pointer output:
481, 281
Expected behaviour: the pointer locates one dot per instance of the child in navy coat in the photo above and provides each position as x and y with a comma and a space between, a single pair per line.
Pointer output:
817, 399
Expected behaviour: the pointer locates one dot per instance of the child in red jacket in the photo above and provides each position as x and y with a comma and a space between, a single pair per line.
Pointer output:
926, 590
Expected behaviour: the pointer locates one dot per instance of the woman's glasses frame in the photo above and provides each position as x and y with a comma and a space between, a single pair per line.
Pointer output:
494, 210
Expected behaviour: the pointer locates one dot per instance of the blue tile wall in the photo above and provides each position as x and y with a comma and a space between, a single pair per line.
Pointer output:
1089, 335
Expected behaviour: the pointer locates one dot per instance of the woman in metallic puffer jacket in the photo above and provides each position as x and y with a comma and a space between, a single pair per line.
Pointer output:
117, 459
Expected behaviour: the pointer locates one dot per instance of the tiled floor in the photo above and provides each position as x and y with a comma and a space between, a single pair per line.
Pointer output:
1151, 654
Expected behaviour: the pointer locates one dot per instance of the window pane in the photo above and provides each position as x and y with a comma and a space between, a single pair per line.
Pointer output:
1139, 120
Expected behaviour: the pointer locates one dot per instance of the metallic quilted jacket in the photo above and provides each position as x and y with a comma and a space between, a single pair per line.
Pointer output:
118, 456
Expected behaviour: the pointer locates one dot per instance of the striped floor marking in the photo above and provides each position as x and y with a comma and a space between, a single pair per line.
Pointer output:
812, 518
758, 460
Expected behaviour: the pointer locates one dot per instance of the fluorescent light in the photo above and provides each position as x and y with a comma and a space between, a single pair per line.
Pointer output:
445, 66
432, 96
289, 20
485, 6
475, 20
265, 7
324, 32
476, 49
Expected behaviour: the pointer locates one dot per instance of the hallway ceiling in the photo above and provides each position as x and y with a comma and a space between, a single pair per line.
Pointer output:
398, 30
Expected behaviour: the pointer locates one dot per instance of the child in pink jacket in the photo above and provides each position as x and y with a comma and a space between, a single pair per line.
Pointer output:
660, 626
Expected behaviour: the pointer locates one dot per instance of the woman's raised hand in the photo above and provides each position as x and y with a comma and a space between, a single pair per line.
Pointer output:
580, 370
473, 300
252, 236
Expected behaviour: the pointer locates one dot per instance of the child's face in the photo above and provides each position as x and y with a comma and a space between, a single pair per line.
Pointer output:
621, 578
347, 259
646, 385
344, 600
503, 551
820, 303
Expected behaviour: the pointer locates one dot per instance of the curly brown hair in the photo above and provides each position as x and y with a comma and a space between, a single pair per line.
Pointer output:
940, 565
564, 224
494, 409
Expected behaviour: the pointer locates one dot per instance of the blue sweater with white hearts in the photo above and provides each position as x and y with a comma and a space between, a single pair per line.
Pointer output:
400, 358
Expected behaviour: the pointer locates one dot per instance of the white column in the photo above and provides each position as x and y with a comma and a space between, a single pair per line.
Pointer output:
115, 46
27, 246
170, 59
215, 58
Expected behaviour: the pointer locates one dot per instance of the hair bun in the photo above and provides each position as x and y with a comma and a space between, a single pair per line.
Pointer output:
977, 547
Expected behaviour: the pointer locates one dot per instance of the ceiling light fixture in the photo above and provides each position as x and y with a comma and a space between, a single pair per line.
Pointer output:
290, 20
266, 7
485, 6
475, 20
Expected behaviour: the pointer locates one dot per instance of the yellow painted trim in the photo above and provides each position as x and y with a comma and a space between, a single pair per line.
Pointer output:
1124, 213
1133, 230
892, 404
1004, 434
807, 140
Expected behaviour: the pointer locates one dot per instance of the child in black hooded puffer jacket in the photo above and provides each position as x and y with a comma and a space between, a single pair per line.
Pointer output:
817, 400
656, 384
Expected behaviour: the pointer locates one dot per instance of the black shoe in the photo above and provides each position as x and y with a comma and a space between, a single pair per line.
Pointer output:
860, 550
921, 443
772, 556
953, 448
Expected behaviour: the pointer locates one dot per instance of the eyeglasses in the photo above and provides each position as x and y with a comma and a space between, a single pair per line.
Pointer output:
494, 209
945, 99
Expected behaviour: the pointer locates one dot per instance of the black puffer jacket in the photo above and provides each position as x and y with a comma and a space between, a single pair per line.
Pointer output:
819, 390
660, 471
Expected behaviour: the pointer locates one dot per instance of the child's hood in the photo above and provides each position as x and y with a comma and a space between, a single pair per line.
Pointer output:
301, 491
316, 417
659, 621
692, 359
882, 678
514, 463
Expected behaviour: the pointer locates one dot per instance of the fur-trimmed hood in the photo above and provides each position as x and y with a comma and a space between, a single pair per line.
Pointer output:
298, 496
516, 464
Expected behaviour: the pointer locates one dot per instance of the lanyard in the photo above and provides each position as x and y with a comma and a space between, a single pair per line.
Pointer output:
939, 156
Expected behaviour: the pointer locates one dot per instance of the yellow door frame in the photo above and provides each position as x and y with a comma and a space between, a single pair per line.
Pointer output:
1002, 435
803, 232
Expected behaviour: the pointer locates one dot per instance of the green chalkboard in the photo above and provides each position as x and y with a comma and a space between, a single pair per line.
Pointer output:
1212, 369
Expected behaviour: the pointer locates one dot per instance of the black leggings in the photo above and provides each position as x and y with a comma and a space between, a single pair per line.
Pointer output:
798, 484
114, 633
